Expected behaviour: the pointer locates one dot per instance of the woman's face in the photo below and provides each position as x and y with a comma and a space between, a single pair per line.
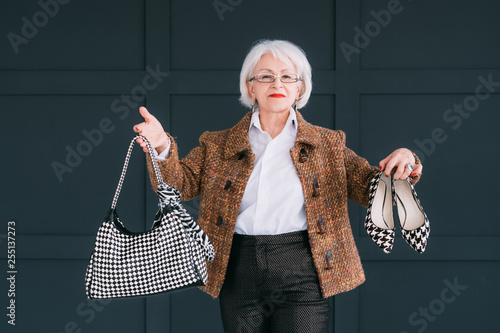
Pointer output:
276, 96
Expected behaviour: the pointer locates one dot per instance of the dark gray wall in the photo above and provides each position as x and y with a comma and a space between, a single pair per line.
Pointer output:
415, 76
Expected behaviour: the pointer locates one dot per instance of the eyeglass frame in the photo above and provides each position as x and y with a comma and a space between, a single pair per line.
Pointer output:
275, 77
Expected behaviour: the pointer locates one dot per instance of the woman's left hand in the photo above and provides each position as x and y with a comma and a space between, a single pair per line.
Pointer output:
398, 161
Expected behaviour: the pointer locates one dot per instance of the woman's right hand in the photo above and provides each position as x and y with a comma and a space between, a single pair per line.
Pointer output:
153, 131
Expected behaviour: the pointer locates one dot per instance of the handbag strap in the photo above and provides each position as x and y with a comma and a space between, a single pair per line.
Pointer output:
125, 165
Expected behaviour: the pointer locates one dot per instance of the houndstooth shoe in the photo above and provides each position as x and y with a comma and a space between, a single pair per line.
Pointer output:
379, 221
415, 226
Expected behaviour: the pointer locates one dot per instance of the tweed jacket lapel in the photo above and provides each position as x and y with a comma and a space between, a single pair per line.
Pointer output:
306, 133
238, 140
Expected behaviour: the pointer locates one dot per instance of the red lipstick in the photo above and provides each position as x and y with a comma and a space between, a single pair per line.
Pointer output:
277, 95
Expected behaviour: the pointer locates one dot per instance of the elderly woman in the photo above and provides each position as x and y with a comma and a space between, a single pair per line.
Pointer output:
273, 199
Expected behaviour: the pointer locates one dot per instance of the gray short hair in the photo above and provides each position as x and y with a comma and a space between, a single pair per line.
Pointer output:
283, 51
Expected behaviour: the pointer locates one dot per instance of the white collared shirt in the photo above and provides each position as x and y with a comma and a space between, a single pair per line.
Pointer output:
273, 202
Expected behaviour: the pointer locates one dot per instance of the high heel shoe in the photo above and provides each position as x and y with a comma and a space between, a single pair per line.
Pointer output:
379, 222
415, 226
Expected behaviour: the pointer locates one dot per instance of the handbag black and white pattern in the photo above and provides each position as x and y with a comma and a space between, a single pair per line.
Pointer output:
169, 257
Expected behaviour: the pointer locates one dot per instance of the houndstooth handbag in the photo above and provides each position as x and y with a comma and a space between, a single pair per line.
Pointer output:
169, 257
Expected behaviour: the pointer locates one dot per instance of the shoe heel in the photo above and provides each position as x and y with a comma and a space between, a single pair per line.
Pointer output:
415, 226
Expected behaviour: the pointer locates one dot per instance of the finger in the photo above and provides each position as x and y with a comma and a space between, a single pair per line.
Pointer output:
409, 171
396, 167
389, 167
145, 114
418, 170
382, 164
138, 127
399, 172
144, 146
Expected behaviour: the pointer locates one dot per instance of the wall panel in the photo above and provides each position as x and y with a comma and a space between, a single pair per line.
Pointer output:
429, 34
429, 296
90, 35
205, 38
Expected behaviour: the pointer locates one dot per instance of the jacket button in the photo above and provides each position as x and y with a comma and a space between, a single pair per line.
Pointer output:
241, 155
219, 221
329, 260
303, 156
228, 185
315, 187
321, 225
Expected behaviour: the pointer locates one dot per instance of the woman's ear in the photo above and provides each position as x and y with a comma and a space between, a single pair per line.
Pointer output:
250, 90
299, 90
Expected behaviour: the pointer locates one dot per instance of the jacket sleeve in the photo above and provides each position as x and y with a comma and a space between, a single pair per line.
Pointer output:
183, 174
359, 173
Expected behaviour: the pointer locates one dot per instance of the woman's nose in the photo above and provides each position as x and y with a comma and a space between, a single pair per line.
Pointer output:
277, 83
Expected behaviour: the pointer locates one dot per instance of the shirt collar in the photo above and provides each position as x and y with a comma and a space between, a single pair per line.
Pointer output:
291, 122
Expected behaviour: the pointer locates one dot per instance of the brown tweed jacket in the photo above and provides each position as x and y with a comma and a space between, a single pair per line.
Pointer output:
330, 173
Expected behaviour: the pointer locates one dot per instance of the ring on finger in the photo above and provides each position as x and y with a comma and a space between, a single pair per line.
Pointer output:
410, 167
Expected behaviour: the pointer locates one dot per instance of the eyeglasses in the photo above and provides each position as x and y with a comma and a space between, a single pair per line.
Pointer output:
268, 78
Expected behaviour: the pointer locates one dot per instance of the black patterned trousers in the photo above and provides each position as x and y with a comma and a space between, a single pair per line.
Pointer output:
271, 285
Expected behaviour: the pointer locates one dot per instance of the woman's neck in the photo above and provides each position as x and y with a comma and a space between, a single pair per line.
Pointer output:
273, 122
